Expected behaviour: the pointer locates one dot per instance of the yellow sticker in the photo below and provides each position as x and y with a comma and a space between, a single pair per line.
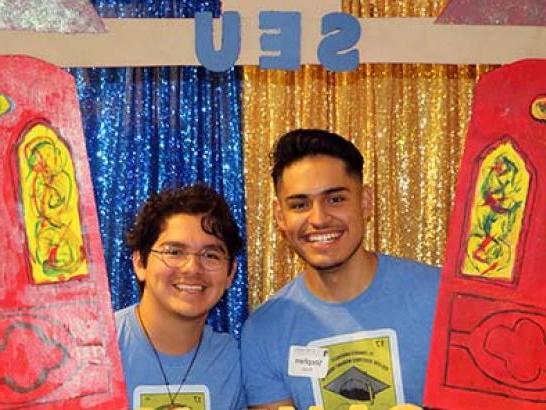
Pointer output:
5, 104
49, 195
538, 108
190, 397
161, 401
497, 214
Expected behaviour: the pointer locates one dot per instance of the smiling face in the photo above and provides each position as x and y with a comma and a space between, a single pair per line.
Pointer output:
190, 290
321, 209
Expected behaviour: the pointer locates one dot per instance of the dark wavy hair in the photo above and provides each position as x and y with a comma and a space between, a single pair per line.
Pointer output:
193, 200
301, 143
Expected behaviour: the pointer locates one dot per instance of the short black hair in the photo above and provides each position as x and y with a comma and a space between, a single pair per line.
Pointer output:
301, 143
192, 200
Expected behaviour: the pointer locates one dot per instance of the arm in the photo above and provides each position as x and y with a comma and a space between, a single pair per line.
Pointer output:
262, 370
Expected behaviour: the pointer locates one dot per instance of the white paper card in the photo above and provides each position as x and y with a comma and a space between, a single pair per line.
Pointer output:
306, 361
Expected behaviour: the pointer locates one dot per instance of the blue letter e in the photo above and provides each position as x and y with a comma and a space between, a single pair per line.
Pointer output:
287, 41
225, 58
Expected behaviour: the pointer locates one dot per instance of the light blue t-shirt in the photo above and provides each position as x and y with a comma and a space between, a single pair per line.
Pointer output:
366, 337
215, 374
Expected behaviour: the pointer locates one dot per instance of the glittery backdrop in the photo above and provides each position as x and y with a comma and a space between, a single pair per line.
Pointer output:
497, 12
148, 128
62, 16
408, 120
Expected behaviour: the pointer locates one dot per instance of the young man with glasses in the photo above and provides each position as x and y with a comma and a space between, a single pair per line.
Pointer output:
184, 243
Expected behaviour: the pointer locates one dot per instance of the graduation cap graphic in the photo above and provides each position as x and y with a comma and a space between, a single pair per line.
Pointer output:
355, 384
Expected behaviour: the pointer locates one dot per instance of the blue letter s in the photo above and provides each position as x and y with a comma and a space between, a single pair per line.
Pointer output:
345, 33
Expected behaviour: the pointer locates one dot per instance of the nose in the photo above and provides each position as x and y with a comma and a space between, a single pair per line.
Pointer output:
318, 215
192, 264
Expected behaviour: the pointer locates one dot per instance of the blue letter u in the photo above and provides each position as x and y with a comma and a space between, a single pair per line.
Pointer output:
227, 55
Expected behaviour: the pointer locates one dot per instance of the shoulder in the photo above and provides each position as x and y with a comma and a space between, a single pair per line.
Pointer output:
281, 300
220, 342
221, 350
124, 316
128, 331
409, 281
404, 274
276, 309
406, 266
220, 356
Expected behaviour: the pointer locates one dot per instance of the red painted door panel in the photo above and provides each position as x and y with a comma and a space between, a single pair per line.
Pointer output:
57, 340
489, 339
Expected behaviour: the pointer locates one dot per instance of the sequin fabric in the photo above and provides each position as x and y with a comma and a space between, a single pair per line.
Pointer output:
61, 16
495, 12
150, 128
409, 121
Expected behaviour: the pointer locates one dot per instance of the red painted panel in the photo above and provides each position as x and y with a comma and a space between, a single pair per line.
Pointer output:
489, 339
58, 348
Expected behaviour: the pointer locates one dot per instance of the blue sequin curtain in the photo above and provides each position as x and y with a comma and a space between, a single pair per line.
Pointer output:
150, 128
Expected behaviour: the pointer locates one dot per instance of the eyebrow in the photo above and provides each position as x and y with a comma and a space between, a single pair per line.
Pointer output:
328, 191
181, 245
216, 248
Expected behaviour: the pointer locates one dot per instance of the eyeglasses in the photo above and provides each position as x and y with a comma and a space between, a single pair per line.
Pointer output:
210, 259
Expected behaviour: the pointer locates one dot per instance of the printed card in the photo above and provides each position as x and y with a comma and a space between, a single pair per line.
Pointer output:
190, 397
364, 368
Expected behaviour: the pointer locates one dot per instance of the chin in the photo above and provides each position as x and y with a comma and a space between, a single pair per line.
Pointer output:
193, 315
332, 260
191, 312
325, 265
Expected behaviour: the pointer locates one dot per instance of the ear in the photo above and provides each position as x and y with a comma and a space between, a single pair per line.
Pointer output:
279, 216
138, 266
366, 202
231, 274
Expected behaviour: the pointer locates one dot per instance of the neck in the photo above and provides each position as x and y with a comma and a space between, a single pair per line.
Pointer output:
344, 282
170, 333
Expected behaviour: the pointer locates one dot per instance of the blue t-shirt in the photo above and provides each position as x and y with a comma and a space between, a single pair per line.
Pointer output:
366, 338
214, 376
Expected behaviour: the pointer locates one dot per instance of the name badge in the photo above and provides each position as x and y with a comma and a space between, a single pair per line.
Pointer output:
307, 361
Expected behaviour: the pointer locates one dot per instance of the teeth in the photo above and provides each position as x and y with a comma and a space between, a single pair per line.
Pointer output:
190, 288
324, 237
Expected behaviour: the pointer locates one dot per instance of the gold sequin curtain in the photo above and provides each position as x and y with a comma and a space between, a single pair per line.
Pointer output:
409, 121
